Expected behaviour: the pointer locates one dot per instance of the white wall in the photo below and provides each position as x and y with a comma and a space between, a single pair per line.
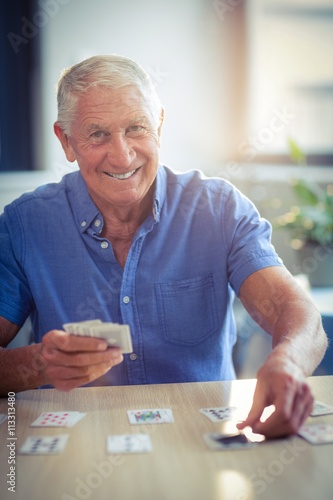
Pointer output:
12, 185
177, 42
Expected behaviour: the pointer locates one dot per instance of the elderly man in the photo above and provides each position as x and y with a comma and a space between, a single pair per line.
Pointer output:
127, 240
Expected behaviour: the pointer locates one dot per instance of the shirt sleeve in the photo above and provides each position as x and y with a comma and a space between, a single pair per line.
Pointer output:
248, 239
16, 302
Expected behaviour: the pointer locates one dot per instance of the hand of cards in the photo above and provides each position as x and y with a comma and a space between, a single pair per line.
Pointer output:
115, 334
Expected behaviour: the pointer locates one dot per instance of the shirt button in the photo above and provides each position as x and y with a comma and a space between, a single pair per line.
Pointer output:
97, 223
126, 299
133, 356
83, 223
104, 244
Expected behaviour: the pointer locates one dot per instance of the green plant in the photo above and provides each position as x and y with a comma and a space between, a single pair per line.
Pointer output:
311, 221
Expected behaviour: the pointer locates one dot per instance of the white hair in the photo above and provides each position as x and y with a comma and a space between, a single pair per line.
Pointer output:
109, 71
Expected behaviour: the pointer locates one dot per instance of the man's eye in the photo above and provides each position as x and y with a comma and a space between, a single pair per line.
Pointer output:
136, 131
98, 134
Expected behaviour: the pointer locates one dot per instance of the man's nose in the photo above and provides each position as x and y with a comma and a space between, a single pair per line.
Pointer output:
121, 152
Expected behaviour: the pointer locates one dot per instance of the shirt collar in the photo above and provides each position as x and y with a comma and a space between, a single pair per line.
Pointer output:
160, 192
82, 205
86, 211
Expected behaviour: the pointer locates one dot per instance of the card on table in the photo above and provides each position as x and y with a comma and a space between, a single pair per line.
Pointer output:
3, 417
219, 414
320, 408
115, 334
317, 433
129, 443
153, 416
44, 445
58, 419
218, 441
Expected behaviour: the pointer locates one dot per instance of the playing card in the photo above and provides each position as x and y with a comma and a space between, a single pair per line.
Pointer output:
44, 445
115, 334
3, 417
218, 441
72, 327
129, 443
219, 414
317, 433
320, 408
58, 419
154, 416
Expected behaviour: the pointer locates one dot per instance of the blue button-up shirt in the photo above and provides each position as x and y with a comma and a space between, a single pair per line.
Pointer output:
201, 241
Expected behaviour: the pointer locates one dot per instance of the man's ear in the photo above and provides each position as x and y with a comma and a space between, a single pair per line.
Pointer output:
159, 130
65, 142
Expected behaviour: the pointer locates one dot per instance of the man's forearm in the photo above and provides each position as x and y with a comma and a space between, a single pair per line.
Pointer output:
299, 335
285, 311
21, 369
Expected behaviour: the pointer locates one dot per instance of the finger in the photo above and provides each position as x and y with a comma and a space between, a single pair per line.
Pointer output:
65, 342
287, 418
60, 373
302, 408
306, 413
258, 405
67, 378
72, 378
281, 400
61, 358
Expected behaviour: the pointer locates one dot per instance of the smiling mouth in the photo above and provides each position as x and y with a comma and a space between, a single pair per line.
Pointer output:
121, 176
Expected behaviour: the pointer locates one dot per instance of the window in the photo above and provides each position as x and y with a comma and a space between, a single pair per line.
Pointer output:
19, 88
290, 77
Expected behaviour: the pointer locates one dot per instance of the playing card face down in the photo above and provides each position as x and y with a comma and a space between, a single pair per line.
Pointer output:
58, 419
218, 441
317, 433
150, 416
320, 408
129, 443
44, 445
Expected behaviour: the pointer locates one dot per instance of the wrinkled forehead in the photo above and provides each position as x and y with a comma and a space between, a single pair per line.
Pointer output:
113, 103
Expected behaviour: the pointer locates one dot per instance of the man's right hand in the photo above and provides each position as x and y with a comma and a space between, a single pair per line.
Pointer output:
71, 361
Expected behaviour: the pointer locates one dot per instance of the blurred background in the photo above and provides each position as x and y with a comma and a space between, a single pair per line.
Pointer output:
248, 92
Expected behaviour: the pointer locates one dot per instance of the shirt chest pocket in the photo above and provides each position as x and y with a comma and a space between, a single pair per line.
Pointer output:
187, 310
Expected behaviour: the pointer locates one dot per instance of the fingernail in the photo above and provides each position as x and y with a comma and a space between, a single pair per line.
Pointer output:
102, 346
116, 354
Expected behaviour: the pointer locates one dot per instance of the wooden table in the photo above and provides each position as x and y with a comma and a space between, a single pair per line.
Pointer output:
180, 467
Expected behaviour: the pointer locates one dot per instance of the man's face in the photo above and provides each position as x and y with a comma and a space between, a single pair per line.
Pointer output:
116, 144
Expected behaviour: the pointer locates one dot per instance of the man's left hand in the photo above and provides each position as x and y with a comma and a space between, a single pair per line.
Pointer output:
282, 384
